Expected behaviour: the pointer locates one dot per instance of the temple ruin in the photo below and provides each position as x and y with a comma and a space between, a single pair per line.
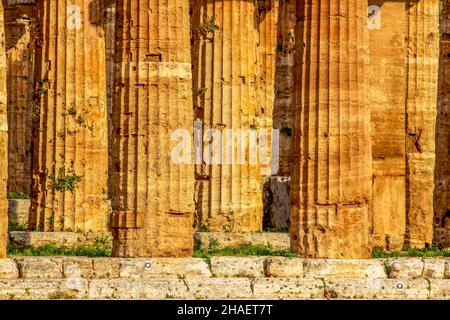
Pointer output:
156, 119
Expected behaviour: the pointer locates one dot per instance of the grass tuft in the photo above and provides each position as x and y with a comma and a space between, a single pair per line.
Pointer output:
407, 252
52, 250
244, 250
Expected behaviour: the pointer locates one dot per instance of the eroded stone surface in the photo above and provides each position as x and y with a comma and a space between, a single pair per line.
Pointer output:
40, 268
168, 267
8, 269
244, 267
228, 188
220, 288
442, 173
153, 203
284, 267
332, 159
20, 32
70, 132
208, 240
288, 289
3, 142
376, 289
423, 62
344, 268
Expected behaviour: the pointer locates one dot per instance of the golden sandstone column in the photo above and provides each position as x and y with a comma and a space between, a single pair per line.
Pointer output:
283, 113
332, 164
268, 26
228, 186
3, 142
423, 62
153, 202
19, 34
442, 176
387, 95
70, 138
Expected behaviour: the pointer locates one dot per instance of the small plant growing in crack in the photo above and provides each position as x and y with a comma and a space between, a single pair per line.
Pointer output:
64, 181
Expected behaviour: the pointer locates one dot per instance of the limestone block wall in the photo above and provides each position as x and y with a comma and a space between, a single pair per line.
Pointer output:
442, 174
222, 278
70, 137
422, 63
153, 203
3, 140
387, 26
331, 187
20, 29
225, 84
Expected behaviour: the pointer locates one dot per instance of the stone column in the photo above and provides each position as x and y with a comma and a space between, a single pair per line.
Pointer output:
110, 8
225, 66
387, 95
442, 176
153, 191
267, 31
3, 142
422, 55
70, 137
283, 113
19, 32
332, 160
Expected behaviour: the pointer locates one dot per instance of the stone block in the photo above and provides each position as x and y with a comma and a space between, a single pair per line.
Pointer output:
8, 269
288, 288
168, 267
219, 288
40, 268
279, 267
406, 268
321, 268
249, 267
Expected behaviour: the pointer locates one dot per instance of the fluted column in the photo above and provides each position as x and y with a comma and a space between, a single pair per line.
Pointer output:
3, 142
225, 63
153, 193
332, 170
70, 138
19, 34
387, 96
442, 176
267, 31
423, 61
283, 113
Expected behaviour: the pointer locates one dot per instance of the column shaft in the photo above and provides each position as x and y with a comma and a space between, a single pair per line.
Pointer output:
3, 141
225, 65
442, 176
332, 160
70, 137
153, 204
19, 32
423, 62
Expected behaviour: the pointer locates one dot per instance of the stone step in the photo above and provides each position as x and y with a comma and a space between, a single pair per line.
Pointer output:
223, 267
224, 288
203, 240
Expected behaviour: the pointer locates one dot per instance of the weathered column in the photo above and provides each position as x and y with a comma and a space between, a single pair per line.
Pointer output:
225, 62
267, 31
283, 113
332, 160
423, 51
70, 137
19, 34
3, 142
153, 192
387, 95
110, 8
442, 176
